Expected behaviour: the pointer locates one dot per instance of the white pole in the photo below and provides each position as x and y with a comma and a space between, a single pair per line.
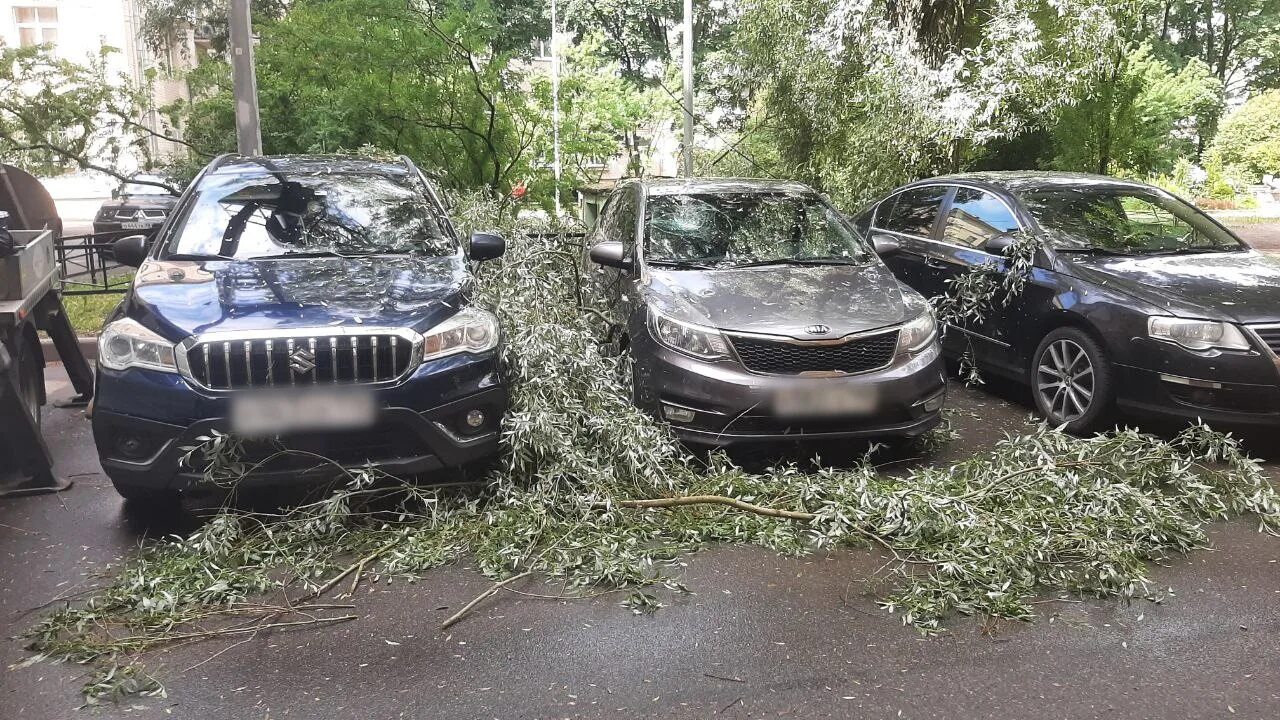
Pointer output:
688, 88
555, 108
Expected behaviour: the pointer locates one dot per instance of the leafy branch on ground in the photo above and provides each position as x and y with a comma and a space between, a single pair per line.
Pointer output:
596, 496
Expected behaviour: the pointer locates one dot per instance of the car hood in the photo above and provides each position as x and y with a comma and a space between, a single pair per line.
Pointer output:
165, 202
182, 298
1232, 286
785, 299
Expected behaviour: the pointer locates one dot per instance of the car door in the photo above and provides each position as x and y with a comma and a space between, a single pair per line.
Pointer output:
970, 217
910, 218
612, 289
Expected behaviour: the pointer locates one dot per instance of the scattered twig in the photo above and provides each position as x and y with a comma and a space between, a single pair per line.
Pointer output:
480, 598
357, 565
722, 677
716, 500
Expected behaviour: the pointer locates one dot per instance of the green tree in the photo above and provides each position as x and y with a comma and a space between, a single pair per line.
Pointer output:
1249, 138
1229, 36
1141, 117
57, 114
425, 80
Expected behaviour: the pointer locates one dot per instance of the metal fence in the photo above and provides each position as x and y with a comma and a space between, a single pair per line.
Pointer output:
88, 265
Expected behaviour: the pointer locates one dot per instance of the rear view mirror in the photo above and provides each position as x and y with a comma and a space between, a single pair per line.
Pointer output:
131, 250
999, 244
487, 246
610, 253
885, 245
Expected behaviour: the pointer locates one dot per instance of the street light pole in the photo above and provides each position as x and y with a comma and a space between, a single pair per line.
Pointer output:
245, 82
555, 108
687, 61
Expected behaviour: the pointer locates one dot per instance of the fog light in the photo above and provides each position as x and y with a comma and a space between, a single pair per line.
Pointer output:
677, 414
132, 445
475, 419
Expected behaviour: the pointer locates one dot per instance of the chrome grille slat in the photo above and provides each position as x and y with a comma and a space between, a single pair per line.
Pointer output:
221, 363
1269, 335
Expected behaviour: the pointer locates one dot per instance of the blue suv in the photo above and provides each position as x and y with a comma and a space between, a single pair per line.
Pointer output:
318, 309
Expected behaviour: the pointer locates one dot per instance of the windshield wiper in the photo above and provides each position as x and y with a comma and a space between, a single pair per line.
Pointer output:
311, 254
798, 261
1092, 251
1193, 250
199, 257
682, 264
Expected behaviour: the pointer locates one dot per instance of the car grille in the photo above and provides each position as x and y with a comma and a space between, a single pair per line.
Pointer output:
132, 214
1269, 334
300, 360
857, 355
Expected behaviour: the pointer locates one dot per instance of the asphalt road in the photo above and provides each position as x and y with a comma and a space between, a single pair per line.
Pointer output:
761, 635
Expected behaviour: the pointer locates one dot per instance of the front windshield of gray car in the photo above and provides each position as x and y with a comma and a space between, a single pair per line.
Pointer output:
246, 215
734, 229
1129, 221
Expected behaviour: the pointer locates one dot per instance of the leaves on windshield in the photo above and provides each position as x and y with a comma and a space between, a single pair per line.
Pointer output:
738, 228
260, 214
1122, 220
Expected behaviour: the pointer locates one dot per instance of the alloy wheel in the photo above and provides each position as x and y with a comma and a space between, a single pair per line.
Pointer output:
1065, 380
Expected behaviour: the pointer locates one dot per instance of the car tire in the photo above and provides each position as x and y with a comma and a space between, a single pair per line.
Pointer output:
31, 375
1072, 381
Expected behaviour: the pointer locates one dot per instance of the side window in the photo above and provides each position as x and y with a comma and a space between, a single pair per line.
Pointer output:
913, 212
862, 223
623, 225
976, 217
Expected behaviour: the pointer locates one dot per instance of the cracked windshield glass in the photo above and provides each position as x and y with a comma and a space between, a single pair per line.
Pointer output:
238, 216
743, 229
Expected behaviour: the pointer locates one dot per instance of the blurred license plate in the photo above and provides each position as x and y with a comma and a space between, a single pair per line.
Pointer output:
273, 412
824, 400
137, 225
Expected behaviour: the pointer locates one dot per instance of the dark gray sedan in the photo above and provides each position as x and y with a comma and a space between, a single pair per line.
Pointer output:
751, 310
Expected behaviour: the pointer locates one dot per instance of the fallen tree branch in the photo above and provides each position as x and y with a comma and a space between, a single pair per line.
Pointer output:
454, 618
714, 500
357, 565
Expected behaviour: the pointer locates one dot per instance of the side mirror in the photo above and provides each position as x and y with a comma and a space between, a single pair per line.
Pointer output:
612, 254
999, 244
131, 250
487, 246
115, 193
885, 245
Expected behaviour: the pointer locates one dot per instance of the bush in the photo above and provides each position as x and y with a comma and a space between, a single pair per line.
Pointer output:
1249, 139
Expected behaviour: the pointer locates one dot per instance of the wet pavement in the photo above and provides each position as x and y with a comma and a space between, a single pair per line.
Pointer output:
760, 636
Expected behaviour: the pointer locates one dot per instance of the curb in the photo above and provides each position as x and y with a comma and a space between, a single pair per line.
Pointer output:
88, 346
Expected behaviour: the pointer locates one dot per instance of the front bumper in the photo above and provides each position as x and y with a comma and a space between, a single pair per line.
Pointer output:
733, 406
1227, 389
144, 422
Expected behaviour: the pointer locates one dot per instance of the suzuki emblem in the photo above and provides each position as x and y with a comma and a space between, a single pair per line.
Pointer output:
817, 329
302, 361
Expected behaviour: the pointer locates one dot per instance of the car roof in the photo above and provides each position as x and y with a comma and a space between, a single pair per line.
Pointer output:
1020, 181
719, 185
312, 165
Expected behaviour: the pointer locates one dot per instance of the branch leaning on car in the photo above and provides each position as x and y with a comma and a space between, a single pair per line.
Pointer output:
971, 296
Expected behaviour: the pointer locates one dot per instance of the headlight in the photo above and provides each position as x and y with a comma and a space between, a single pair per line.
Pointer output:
471, 330
696, 340
126, 343
1197, 334
917, 334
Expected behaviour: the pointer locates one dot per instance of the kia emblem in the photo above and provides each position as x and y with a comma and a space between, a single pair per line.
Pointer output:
817, 329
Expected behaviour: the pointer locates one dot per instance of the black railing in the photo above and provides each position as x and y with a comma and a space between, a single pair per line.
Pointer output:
88, 265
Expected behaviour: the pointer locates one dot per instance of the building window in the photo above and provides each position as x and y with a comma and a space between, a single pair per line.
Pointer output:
36, 25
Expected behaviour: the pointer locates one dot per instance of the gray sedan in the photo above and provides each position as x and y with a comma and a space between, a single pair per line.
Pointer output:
751, 310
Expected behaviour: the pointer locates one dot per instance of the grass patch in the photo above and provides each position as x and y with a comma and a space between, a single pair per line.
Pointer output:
87, 312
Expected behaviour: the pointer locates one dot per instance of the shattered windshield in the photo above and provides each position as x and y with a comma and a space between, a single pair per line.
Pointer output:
735, 229
271, 214
1125, 221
